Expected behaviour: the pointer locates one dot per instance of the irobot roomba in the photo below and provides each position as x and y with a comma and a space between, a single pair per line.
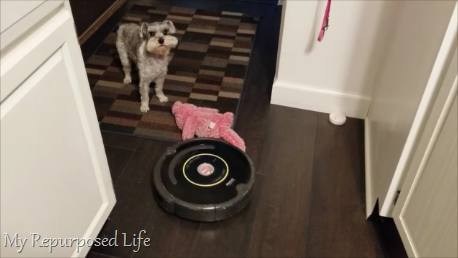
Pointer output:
203, 180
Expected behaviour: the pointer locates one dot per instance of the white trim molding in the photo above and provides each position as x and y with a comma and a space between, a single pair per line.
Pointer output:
324, 101
371, 198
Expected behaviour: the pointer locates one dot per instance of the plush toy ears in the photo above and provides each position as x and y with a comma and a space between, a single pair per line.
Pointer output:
228, 118
229, 115
177, 107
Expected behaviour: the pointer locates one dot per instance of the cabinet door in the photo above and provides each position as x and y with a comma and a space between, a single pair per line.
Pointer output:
405, 85
20, 7
426, 210
55, 180
426, 215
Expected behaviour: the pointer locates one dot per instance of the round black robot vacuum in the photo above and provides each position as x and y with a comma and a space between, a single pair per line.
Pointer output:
203, 180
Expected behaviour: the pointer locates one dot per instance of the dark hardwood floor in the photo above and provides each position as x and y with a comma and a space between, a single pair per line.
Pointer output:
309, 192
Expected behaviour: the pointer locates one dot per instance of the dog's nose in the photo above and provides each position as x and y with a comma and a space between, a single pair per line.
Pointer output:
161, 41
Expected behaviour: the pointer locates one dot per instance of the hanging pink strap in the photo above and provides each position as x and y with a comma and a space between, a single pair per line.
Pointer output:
325, 23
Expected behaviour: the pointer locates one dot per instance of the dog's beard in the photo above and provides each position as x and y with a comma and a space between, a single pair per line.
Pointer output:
162, 50
153, 46
159, 50
170, 41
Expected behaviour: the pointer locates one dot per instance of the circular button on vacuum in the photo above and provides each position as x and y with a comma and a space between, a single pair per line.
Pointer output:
205, 169
203, 179
211, 170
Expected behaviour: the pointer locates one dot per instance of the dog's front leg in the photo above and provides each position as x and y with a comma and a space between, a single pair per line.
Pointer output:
158, 88
144, 95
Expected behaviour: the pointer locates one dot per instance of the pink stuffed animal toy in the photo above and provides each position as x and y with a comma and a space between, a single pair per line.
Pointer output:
205, 122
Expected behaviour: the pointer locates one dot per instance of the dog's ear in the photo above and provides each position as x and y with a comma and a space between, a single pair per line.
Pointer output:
143, 30
170, 26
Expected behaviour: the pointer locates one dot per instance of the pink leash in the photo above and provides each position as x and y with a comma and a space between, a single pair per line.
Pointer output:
325, 24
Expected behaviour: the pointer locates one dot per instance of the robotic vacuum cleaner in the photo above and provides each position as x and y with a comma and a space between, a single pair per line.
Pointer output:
203, 180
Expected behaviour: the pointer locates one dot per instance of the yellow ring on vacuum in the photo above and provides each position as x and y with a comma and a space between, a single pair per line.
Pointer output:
206, 154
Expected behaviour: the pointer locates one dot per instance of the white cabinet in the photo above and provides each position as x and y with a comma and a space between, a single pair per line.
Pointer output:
411, 132
426, 212
21, 8
55, 180
407, 84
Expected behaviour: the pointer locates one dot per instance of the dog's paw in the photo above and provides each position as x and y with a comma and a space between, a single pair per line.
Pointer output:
144, 108
163, 99
127, 80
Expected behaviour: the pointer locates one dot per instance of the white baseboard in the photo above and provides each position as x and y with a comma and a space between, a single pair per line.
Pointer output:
371, 199
324, 101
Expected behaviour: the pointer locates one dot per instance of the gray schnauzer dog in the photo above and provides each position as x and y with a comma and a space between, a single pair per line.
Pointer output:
148, 46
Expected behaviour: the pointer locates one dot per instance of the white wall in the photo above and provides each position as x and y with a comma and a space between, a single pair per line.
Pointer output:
338, 73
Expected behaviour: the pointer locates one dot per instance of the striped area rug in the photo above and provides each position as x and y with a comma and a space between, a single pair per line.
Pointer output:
207, 69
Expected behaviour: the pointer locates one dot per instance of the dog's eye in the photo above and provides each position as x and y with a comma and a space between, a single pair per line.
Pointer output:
166, 32
152, 33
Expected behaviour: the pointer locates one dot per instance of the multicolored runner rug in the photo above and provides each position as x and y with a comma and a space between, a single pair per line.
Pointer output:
207, 69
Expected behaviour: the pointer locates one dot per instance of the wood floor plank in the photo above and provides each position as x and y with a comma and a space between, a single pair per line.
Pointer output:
121, 141
251, 120
170, 236
231, 237
388, 236
337, 223
97, 255
287, 160
252, 114
117, 161
134, 199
